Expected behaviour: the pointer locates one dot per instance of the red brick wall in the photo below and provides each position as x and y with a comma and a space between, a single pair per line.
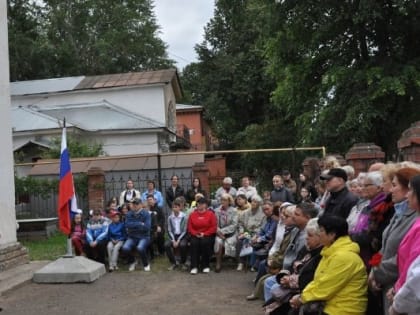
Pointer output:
193, 122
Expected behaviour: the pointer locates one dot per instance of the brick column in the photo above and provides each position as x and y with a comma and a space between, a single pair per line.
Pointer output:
201, 171
409, 143
96, 188
362, 155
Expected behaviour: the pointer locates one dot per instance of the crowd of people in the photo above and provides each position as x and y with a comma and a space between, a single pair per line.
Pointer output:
328, 243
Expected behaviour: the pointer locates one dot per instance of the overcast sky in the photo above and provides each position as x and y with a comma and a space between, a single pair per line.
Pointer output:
182, 26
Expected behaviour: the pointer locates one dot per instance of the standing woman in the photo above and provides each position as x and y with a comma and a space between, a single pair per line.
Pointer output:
202, 227
195, 189
227, 225
383, 276
409, 249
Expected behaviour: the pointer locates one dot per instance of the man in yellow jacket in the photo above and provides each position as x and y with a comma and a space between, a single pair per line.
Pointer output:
340, 280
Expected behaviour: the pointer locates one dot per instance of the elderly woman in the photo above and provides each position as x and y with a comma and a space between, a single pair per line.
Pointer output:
408, 251
202, 227
372, 187
340, 278
227, 224
297, 276
249, 224
384, 274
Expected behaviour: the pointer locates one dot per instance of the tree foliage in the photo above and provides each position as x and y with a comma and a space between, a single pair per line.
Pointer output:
347, 71
309, 73
76, 146
55, 38
231, 62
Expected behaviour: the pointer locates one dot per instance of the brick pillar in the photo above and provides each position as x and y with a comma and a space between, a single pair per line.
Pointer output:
201, 171
409, 143
96, 188
362, 155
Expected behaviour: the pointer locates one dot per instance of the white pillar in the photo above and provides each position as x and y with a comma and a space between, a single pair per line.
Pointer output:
7, 188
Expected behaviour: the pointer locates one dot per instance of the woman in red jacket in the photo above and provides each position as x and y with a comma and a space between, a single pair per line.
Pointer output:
202, 227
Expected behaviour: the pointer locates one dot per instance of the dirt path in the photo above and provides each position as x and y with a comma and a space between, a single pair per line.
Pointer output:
139, 292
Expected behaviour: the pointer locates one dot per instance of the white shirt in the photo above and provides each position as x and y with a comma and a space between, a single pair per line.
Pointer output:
177, 224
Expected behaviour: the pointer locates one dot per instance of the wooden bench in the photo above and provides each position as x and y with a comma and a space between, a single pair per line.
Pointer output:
36, 229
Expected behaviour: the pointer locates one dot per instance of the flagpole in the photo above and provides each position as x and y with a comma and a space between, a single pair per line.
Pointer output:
69, 252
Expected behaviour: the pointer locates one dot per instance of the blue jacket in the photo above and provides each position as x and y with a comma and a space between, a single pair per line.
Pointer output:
267, 231
116, 232
96, 230
158, 197
138, 224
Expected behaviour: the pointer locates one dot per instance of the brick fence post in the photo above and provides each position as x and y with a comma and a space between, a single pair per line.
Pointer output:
409, 143
201, 171
96, 188
362, 155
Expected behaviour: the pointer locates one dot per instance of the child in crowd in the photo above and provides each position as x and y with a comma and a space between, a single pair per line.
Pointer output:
96, 233
116, 238
123, 209
78, 234
177, 232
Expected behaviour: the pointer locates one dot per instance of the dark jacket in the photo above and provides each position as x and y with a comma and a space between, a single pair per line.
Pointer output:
340, 203
307, 270
170, 196
190, 196
283, 194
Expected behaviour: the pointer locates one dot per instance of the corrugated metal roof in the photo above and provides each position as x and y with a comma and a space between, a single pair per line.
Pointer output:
89, 116
127, 79
97, 82
44, 86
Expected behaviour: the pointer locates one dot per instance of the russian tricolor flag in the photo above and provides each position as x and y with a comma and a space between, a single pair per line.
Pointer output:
66, 195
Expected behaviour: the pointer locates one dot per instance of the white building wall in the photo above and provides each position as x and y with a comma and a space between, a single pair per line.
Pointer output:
126, 144
7, 189
147, 101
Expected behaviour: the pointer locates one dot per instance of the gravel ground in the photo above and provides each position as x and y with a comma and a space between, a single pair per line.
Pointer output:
138, 292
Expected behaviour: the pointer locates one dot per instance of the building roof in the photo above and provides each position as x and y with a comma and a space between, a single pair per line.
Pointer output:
32, 142
26, 118
85, 116
188, 108
44, 86
97, 82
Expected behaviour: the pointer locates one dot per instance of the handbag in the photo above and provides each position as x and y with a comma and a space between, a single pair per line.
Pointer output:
312, 308
246, 250
281, 294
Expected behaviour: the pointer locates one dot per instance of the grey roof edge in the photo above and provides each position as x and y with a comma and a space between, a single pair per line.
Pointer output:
117, 108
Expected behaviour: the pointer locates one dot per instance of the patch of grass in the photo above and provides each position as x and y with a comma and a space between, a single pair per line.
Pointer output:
49, 249
56, 246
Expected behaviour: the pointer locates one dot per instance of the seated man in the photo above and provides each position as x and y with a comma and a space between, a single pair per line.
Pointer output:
138, 225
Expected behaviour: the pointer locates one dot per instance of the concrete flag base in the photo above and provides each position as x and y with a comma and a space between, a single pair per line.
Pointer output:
70, 270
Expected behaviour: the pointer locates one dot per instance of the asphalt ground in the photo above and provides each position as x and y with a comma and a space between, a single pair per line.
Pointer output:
139, 292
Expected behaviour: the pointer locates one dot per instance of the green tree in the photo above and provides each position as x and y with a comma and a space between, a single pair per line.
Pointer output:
27, 46
346, 71
229, 79
85, 37
76, 146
